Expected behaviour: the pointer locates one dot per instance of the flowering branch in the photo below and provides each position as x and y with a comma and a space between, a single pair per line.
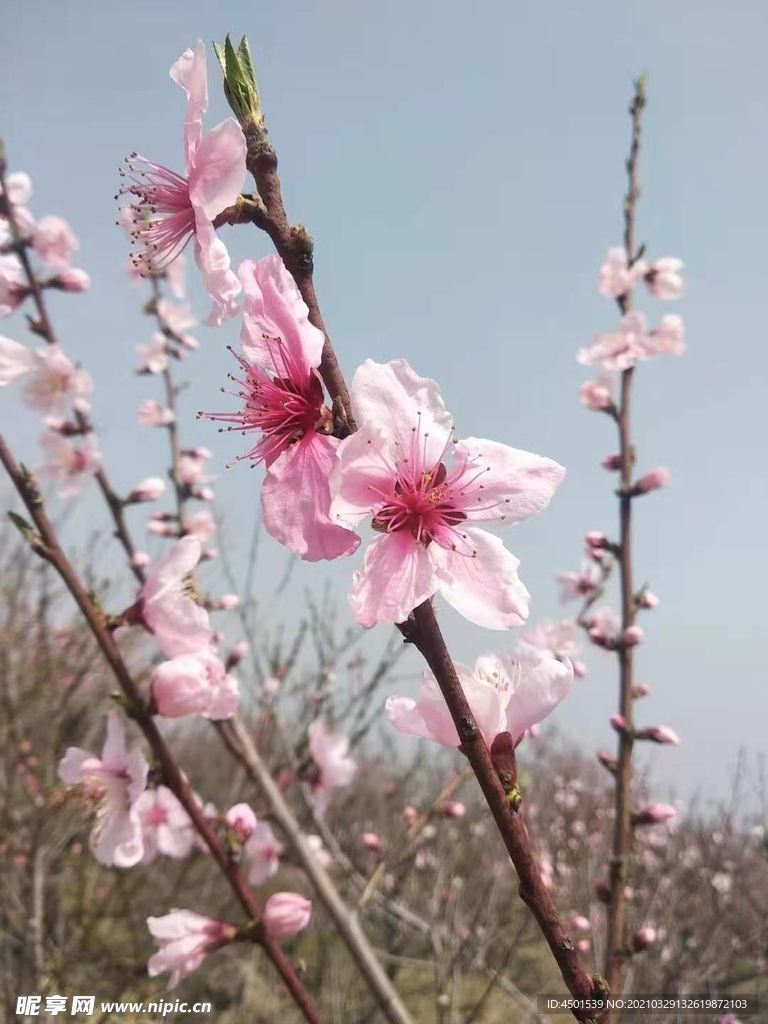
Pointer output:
46, 544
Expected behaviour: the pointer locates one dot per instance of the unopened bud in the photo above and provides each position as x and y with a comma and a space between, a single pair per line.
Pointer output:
654, 814
149, 489
652, 481
632, 636
659, 734
72, 280
643, 938
641, 690
646, 599
607, 760
454, 809
611, 462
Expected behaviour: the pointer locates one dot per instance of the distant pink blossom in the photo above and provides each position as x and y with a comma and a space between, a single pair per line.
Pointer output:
15, 360
664, 279
454, 809
284, 406
68, 464
184, 939
621, 349
372, 842
668, 337
54, 241
315, 843
160, 527
285, 914
597, 395
583, 945
154, 355
226, 602
180, 624
166, 826
262, 853
644, 937
148, 489
506, 694
12, 284
410, 814
19, 192
654, 814
575, 585
722, 882
330, 752
53, 384
604, 627
73, 279
201, 525
183, 208
153, 414
241, 819
195, 684
652, 481
616, 277
114, 782
552, 639
393, 471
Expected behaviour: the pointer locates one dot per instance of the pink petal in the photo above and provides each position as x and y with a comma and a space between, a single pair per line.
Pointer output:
409, 407
220, 281
15, 360
486, 588
113, 753
296, 499
538, 687
397, 576
518, 484
191, 72
217, 174
75, 763
363, 472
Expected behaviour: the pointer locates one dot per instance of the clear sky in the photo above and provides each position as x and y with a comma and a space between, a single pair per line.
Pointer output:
461, 169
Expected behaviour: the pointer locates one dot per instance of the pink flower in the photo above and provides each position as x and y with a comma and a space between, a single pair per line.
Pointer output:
73, 279
664, 279
15, 360
241, 819
454, 809
597, 395
632, 636
284, 405
605, 627
372, 842
652, 481
68, 464
181, 208
166, 826
158, 526
393, 470
315, 843
154, 356
611, 462
654, 814
152, 414
149, 489
616, 277
285, 914
180, 625
659, 734
668, 336
607, 760
12, 284
643, 938
552, 639
114, 782
619, 723
330, 752
191, 466
623, 348
184, 939
201, 525
262, 852
19, 192
580, 923
54, 242
505, 693
195, 684
577, 584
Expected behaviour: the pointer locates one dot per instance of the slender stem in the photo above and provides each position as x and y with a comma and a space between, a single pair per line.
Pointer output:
47, 546
616, 943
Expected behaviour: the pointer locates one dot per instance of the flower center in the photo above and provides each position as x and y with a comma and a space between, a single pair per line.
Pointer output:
423, 505
163, 215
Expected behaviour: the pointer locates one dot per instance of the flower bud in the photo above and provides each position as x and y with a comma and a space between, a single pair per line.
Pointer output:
652, 481
607, 760
641, 690
241, 819
454, 809
285, 914
595, 539
149, 489
580, 923
632, 636
160, 529
140, 560
646, 599
611, 462
659, 734
579, 668
654, 814
372, 842
643, 938
619, 723
72, 280
410, 815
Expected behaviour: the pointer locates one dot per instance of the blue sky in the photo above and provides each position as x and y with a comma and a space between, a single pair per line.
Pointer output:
461, 169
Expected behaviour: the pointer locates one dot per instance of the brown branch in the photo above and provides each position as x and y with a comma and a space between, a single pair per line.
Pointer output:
47, 546
616, 943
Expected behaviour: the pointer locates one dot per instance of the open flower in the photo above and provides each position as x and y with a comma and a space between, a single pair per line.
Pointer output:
154, 355
54, 241
330, 752
578, 584
166, 827
394, 471
184, 939
180, 624
115, 781
284, 405
195, 684
506, 694
70, 465
170, 209
553, 640
262, 852
616, 276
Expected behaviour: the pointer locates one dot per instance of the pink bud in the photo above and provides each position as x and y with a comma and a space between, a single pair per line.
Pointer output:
596, 539
641, 690
285, 914
580, 923
148, 490
372, 842
454, 809
54, 242
654, 814
140, 560
659, 734
643, 938
607, 760
241, 820
72, 280
619, 723
410, 815
160, 529
579, 668
583, 945
205, 494
632, 636
647, 600
611, 463
652, 481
